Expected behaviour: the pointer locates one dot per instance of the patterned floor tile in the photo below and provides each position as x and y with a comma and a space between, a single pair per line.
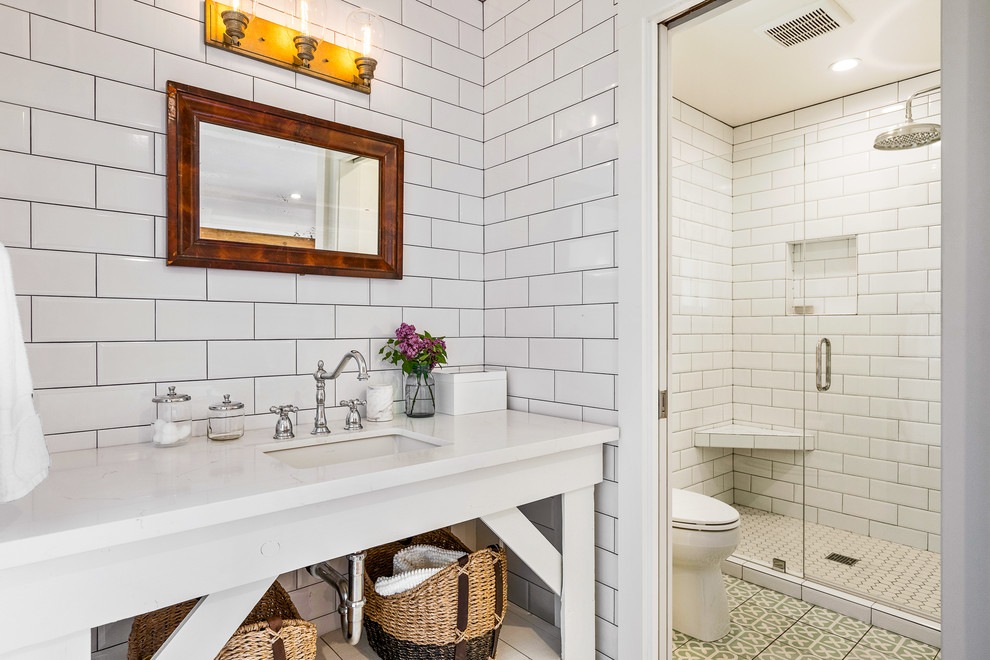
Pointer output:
836, 623
903, 648
695, 650
678, 638
781, 651
773, 626
861, 652
761, 619
740, 640
817, 642
780, 603
741, 587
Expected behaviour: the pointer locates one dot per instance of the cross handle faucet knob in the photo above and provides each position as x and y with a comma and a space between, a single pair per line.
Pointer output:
353, 420
283, 427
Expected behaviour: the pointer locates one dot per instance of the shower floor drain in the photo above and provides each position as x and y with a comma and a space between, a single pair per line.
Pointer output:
842, 559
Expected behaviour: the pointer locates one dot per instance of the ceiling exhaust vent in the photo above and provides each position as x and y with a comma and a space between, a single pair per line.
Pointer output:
806, 23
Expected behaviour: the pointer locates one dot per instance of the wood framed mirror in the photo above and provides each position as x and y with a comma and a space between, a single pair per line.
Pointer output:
254, 187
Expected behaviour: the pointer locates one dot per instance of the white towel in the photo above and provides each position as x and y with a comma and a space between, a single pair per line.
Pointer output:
24, 458
423, 556
414, 565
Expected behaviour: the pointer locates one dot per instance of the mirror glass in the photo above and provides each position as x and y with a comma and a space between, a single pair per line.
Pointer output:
270, 191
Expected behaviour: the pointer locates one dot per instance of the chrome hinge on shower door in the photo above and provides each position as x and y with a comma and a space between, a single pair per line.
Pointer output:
662, 403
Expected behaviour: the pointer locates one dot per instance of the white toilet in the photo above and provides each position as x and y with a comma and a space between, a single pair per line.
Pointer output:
705, 531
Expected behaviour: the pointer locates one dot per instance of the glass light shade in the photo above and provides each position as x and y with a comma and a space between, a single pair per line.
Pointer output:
309, 17
366, 33
246, 7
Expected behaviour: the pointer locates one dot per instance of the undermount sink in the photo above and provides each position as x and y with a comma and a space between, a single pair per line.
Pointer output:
329, 450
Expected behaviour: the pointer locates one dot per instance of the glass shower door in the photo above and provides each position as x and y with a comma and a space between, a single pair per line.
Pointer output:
866, 273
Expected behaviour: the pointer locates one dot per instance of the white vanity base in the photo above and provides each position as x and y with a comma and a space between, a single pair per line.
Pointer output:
300, 518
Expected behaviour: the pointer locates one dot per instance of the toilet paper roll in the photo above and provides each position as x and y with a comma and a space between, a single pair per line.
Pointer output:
379, 403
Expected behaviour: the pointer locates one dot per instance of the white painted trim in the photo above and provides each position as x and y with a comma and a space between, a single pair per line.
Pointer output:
212, 621
577, 597
515, 529
965, 328
643, 539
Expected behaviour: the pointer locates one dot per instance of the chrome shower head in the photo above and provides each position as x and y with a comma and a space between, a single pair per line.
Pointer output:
910, 134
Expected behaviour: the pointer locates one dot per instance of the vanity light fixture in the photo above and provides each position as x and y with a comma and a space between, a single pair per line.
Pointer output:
293, 34
846, 64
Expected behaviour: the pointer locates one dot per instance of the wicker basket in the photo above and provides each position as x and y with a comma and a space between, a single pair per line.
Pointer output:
274, 618
454, 615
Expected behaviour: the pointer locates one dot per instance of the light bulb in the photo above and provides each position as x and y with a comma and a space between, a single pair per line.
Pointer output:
366, 33
366, 40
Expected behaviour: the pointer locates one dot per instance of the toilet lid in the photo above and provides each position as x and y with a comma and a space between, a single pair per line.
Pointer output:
694, 511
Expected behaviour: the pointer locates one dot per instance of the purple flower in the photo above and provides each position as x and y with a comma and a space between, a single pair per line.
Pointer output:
405, 331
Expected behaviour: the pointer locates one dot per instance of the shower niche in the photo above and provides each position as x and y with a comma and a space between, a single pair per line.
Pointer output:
822, 277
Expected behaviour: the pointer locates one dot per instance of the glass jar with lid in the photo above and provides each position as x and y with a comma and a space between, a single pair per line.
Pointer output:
173, 423
226, 420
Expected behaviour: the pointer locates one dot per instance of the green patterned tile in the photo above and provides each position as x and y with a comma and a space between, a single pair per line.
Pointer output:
678, 638
780, 603
835, 623
741, 641
817, 642
897, 645
861, 652
735, 585
737, 591
760, 619
695, 650
780, 651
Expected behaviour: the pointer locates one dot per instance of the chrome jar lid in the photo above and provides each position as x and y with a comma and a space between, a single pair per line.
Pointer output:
227, 404
171, 397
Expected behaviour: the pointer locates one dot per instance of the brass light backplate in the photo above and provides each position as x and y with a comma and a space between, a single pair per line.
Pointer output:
273, 43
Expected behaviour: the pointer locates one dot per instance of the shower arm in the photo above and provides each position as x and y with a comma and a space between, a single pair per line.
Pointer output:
910, 101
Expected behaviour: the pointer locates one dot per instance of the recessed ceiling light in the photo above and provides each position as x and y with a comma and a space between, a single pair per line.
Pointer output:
845, 65
295, 196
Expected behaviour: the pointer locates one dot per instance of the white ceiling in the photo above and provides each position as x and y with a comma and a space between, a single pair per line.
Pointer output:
726, 67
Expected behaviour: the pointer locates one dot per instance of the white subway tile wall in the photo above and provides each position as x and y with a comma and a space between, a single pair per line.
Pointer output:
812, 175
549, 232
82, 205
701, 298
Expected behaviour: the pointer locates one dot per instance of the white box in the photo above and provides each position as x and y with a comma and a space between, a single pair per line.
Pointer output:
467, 392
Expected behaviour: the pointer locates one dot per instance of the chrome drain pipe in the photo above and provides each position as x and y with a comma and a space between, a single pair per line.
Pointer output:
350, 588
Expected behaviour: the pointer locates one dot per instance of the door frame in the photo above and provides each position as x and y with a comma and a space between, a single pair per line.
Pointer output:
643, 469
643, 599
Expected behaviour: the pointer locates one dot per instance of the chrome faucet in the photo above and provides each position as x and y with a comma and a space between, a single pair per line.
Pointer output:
320, 426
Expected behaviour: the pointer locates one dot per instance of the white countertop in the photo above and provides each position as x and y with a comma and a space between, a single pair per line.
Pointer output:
99, 498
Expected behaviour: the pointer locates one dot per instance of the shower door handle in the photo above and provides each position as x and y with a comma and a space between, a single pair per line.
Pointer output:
823, 383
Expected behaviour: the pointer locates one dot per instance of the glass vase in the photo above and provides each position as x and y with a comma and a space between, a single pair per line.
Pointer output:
421, 400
